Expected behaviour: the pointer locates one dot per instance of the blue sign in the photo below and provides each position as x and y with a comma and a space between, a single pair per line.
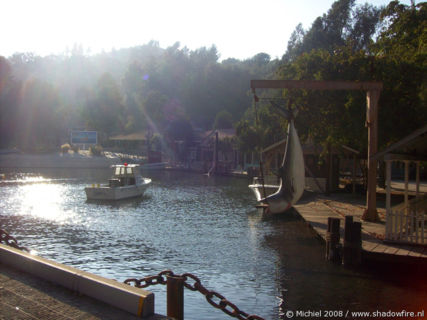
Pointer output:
84, 137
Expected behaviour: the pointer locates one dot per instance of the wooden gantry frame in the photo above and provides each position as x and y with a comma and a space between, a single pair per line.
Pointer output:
373, 91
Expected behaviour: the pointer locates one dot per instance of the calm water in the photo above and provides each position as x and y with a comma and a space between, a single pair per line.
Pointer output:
193, 223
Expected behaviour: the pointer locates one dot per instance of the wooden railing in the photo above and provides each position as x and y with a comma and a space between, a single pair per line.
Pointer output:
408, 224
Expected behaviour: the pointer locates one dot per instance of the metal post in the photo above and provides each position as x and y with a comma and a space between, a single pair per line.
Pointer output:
175, 297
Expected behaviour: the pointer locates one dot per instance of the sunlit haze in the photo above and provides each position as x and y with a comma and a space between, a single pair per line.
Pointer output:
238, 28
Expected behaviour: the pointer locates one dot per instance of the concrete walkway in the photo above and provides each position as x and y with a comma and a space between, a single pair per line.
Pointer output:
23, 296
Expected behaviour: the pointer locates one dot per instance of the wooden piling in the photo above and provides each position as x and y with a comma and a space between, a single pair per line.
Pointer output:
352, 250
175, 297
356, 240
333, 248
347, 248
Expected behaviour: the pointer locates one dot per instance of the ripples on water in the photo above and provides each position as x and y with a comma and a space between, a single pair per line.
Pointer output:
188, 223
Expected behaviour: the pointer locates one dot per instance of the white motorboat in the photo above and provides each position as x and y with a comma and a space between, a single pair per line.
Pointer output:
126, 182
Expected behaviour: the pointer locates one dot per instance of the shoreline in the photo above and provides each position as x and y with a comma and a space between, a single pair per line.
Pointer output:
55, 160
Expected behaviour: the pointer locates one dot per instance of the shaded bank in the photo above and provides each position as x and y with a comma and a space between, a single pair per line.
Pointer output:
55, 160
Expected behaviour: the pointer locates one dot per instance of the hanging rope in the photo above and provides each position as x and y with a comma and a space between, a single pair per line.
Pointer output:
261, 169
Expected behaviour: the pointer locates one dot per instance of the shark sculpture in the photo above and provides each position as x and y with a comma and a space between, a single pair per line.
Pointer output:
291, 174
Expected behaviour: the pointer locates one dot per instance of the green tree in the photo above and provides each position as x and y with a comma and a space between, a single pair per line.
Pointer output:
153, 111
338, 117
249, 137
9, 95
404, 32
38, 117
401, 63
104, 110
344, 25
223, 120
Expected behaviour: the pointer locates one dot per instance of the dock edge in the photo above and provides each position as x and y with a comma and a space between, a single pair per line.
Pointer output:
136, 301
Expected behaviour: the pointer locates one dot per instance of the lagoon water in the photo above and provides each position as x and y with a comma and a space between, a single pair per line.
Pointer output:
197, 224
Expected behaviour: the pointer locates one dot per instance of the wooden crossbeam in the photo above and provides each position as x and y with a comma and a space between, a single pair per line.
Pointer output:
316, 85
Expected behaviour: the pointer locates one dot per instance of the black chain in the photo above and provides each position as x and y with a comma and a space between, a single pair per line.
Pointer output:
214, 298
7, 239
151, 280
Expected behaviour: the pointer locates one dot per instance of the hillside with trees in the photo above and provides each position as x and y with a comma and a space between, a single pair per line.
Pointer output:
354, 43
167, 90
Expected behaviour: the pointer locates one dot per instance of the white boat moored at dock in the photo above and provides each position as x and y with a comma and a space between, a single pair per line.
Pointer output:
125, 183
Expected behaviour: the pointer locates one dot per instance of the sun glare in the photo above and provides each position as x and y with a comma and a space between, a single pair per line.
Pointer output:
43, 200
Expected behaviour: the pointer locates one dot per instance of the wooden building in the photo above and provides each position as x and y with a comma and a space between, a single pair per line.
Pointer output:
407, 222
135, 142
215, 150
321, 167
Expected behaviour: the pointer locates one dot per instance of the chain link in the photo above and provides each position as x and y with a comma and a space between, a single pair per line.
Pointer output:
151, 280
214, 298
7, 239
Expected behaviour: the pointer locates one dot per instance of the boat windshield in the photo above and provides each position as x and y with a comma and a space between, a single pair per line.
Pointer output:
121, 171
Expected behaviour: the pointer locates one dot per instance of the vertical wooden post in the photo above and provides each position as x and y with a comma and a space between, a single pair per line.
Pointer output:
216, 153
333, 240
353, 178
347, 248
330, 169
328, 238
175, 297
406, 185
417, 181
388, 216
356, 241
372, 97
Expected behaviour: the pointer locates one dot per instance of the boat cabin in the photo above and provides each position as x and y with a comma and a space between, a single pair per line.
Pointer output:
123, 175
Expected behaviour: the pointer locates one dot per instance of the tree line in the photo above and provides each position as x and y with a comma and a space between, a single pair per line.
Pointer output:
174, 91
354, 43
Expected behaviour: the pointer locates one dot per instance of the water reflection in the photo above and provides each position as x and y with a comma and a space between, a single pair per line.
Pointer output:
43, 201
188, 223
123, 203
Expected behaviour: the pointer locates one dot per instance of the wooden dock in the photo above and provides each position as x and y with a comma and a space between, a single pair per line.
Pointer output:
315, 209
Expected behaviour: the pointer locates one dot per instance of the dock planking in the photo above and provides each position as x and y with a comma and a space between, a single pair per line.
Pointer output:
316, 209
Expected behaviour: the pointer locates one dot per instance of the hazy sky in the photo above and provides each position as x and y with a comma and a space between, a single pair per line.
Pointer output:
239, 28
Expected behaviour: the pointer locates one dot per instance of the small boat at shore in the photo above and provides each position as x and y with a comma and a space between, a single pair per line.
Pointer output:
125, 183
291, 176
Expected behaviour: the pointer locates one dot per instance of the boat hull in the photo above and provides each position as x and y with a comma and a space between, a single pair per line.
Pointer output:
116, 193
